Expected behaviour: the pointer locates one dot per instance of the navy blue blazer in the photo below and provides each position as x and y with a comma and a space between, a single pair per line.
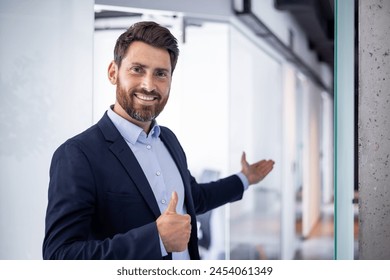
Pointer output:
100, 204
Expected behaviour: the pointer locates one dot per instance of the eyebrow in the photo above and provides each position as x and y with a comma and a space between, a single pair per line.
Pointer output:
138, 64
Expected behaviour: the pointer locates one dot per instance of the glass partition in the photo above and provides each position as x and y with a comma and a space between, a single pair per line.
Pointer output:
344, 129
255, 119
229, 95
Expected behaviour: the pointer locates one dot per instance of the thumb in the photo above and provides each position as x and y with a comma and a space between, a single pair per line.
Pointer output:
243, 157
172, 203
244, 163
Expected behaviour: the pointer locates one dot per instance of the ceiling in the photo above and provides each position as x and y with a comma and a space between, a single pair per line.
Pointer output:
316, 18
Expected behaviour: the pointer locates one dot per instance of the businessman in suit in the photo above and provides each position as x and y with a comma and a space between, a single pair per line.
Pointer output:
122, 189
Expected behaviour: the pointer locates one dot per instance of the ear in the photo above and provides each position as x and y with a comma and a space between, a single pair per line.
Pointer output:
113, 72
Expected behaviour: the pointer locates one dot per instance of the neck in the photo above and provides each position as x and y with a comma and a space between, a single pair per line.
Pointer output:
146, 126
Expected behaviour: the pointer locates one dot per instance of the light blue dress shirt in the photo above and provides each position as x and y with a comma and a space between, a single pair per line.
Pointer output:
158, 166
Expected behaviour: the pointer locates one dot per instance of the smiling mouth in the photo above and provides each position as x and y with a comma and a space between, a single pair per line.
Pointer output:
145, 97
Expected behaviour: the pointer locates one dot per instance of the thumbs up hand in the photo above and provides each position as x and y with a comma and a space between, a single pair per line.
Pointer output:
172, 203
174, 229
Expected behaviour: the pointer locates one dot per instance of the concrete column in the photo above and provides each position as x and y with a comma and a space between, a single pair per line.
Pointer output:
374, 129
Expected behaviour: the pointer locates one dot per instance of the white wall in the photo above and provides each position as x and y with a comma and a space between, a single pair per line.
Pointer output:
327, 149
312, 126
288, 189
45, 97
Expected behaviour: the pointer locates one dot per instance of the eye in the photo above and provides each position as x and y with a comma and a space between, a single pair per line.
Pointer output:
137, 69
161, 74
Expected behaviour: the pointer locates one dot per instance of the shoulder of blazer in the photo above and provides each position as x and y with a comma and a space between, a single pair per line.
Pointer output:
110, 132
167, 134
170, 139
173, 145
104, 130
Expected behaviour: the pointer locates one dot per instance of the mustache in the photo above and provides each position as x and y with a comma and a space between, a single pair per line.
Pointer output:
153, 93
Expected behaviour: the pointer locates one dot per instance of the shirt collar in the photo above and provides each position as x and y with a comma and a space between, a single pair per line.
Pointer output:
131, 132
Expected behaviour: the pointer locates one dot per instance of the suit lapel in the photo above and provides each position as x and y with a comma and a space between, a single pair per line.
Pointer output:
178, 156
124, 154
174, 149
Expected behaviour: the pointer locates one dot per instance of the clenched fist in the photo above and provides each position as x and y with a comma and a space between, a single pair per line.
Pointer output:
174, 229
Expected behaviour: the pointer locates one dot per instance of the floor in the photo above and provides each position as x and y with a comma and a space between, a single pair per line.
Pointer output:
257, 236
319, 245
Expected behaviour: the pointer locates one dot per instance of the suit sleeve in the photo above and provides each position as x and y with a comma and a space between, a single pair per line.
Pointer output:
214, 194
69, 218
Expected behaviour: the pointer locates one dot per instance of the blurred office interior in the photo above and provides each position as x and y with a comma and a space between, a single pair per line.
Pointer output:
232, 85
254, 76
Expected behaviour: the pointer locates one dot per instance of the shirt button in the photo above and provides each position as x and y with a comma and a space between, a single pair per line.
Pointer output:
148, 147
163, 201
158, 173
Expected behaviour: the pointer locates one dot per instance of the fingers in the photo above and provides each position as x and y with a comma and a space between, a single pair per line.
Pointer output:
264, 163
258, 171
172, 203
178, 233
174, 229
266, 166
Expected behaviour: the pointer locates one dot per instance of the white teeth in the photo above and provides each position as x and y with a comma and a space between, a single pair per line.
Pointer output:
145, 97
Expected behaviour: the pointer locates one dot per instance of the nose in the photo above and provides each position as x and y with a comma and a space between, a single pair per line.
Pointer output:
148, 83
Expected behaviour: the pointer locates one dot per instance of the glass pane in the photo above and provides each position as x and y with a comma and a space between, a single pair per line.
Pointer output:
344, 129
256, 128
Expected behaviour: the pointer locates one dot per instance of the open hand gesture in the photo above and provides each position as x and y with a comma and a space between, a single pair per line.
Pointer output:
257, 171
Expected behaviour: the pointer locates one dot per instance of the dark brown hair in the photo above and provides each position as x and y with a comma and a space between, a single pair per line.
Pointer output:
150, 33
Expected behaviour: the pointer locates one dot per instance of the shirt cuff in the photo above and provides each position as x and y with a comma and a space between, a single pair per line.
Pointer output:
244, 180
163, 250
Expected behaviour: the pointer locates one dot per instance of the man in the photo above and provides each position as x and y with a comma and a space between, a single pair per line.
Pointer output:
122, 189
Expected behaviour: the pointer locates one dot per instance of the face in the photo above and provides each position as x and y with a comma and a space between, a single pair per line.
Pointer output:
143, 83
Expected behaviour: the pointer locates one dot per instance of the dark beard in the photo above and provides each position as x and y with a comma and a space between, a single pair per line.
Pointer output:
144, 113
